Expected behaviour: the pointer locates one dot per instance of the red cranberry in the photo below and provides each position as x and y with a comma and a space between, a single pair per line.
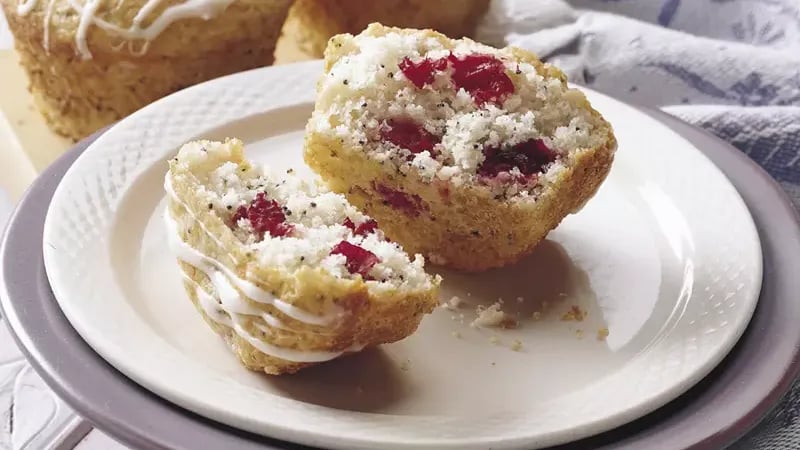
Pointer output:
409, 135
422, 72
241, 213
483, 76
529, 157
359, 260
362, 229
411, 204
266, 216
367, 227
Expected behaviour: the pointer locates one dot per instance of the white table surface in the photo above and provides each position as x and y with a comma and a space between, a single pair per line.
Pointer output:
32, 417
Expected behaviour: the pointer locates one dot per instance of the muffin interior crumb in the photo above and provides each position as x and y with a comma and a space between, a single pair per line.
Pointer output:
290, 223
452, 110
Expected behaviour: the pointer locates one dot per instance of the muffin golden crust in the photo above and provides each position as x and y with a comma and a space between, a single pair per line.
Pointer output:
87, 71
312, 22
464, 153
288, 273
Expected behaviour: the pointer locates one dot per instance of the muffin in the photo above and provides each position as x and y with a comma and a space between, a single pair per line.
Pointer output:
91, 67
464, 153
288, 273
312, 22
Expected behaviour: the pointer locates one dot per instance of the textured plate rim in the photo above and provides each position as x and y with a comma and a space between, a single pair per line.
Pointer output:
293, 432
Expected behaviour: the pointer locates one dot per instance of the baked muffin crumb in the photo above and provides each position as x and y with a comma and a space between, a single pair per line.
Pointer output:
493, 316
602, 334
467, 154
574, 314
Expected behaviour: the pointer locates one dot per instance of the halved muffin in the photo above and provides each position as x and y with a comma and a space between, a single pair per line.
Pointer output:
465, 153
288, 273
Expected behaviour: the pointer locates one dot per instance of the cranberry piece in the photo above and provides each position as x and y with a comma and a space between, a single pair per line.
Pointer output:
359, 260
241, 213
409, 135
529, 157
266, 216
411, 204
483, 76
367, 227
363, 229
422, 72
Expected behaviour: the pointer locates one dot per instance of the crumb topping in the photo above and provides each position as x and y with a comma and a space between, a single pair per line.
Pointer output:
457, 111
290, 223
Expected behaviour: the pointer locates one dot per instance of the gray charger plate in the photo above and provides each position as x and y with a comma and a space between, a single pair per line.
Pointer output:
713, 414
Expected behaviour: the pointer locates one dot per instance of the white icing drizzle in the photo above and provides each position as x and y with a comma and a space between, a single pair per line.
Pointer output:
305, 316
47, 15
221, 277
288, 354
89, 10
26, 7
174, 197
302, 356
231, 306
249, 289
210, 306
234, 307
203, 9
146, 10
228, 296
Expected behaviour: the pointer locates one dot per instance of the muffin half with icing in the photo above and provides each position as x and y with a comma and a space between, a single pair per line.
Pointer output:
288, 273
465, 153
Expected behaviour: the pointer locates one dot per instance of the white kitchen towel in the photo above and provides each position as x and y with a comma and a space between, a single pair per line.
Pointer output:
729, 66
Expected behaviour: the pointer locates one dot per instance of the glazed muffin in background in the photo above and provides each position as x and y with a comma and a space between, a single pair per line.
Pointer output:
312, 22
90, 68
287, 272
464, 153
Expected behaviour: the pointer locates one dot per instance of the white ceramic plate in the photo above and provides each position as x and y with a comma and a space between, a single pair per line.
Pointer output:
666, 257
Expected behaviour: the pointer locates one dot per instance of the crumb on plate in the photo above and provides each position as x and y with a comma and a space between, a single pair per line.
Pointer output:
602, 334
493, 316
454, 303
575, 313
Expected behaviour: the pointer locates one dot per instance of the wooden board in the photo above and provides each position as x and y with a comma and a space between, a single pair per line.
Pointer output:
16, 168
39, 144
